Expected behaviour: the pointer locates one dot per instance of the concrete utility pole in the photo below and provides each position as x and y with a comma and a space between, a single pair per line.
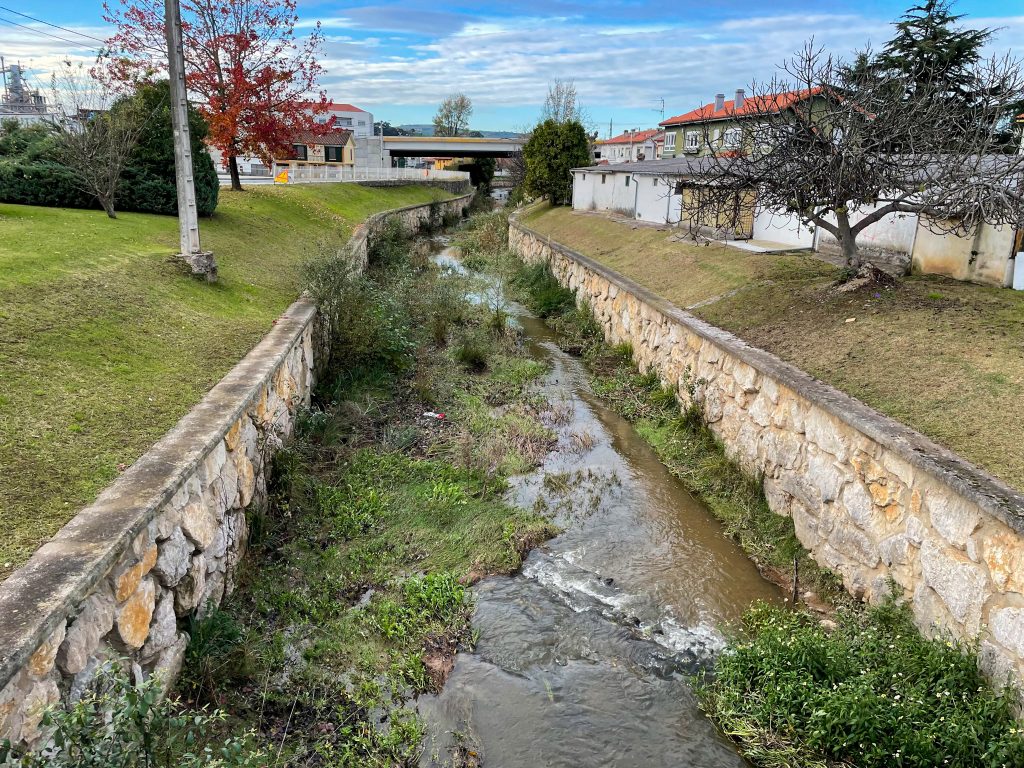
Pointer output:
201, 262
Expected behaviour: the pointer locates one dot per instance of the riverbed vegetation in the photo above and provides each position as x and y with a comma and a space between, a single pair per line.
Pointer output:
680, 437
956, 346
385, 507
870, 692
106, 341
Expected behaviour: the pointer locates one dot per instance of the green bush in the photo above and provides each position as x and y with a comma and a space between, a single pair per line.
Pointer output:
370, 331
544, 295
29, 177
871, 693
388, 245
122, 725
473, 351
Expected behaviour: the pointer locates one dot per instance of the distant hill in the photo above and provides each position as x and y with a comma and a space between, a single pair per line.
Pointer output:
427, 129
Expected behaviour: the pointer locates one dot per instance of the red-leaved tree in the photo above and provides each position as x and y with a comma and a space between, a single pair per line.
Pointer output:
250, 74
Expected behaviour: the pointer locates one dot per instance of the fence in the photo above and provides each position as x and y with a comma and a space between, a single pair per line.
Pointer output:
308, 174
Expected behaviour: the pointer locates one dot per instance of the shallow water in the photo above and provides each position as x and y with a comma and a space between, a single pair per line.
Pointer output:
582, 657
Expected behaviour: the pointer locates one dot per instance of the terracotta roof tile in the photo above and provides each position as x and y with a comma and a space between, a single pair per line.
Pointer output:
632, 138
751, 106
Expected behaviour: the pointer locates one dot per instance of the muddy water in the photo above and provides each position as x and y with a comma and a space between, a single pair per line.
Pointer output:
582, 657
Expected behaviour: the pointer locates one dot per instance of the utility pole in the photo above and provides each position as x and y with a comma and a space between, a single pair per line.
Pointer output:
201, 262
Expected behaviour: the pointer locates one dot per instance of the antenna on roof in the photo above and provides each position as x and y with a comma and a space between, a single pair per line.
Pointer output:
609, 127
661, 101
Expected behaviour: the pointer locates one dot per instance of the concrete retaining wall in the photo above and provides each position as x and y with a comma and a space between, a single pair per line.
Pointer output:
163, 542
870, 498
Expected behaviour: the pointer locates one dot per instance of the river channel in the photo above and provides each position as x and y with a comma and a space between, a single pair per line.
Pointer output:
582, 658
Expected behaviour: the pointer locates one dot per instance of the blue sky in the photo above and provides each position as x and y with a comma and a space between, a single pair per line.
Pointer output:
398, 59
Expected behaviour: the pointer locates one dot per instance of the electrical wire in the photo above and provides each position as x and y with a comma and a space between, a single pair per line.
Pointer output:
78, 43
49, 24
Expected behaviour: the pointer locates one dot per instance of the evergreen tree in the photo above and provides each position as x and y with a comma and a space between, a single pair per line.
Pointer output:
551, 153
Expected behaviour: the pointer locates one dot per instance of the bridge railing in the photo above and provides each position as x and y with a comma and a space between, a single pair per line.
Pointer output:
319, 174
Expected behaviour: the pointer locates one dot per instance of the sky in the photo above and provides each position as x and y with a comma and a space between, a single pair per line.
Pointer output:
399, 59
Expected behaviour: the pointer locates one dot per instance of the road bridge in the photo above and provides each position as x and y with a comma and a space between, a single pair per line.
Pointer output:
444, 146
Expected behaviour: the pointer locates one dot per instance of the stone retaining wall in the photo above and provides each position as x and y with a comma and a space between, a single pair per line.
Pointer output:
870, 498
163, 542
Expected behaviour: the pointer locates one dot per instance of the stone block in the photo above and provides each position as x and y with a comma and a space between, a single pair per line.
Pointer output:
825, 432
84, 633
961, 584
44, 694
42, 660
164, 628
896, 550
952, 517
1007, 627
199, 522
1004, 555
824, 475
127, 581
189, 591
246, 479
134, 617
174, 559
854, 544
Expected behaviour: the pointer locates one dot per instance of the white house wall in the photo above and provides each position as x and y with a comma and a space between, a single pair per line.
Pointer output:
981, 258
894, 232
652, 199
781, 227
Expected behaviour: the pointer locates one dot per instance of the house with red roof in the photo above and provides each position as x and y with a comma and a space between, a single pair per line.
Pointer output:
632, 146
718, 126
344, 116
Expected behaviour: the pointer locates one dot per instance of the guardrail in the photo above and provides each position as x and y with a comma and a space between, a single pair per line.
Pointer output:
319, 174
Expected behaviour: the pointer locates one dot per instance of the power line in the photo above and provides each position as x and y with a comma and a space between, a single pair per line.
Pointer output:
78, 43
47, 23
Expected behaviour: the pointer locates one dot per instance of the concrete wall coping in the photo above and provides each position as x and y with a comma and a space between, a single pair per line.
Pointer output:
990, 494
63, 572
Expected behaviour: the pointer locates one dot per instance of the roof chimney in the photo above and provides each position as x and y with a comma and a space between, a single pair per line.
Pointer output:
719, 101
739, 98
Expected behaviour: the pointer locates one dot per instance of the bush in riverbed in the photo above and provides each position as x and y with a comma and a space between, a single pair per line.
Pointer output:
544, 294
118, 724
872, 693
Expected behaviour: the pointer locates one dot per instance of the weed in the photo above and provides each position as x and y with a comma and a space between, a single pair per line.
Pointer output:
388, 245
472, 352
872, 692
545, 296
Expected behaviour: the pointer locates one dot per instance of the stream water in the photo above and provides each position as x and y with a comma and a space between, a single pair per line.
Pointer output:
582, 658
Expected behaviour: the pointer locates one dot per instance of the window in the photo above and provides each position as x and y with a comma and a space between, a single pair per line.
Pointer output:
584, 177
692, 141
732, 137
627, 180
362, 122
344, 121
654, 182
604, 178
300, 151
716, 135
670, 141
678, 189
334, 154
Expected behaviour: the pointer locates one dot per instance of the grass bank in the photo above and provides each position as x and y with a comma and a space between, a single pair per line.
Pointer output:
942, 356
354, 598
105, 341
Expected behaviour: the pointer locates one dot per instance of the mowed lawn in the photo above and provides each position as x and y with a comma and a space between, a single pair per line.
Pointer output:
106, 341
944, 357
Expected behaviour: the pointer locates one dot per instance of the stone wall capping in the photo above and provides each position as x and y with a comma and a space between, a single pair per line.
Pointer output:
974, 484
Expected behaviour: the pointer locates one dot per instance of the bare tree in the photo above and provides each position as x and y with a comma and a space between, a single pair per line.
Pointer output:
452, 118
843, 149
96, 142
562, 104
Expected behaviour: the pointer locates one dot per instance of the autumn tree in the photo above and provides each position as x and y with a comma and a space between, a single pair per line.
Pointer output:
452, 118
248, 69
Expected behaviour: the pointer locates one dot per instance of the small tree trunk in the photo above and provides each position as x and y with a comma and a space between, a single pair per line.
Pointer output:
848, 241
108, 205
236, 181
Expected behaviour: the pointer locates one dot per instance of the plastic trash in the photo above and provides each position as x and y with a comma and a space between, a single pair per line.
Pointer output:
432, 415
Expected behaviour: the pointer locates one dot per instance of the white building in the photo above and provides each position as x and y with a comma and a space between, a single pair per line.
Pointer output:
652, 192
633, 146
347, 117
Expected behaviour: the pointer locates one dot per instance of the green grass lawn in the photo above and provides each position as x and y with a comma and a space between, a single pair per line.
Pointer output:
106, 341
944, 357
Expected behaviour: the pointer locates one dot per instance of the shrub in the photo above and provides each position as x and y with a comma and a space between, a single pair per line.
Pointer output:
369, 327
389, 244
121, 725
871, 693
544, 295
29, 177
473, 351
